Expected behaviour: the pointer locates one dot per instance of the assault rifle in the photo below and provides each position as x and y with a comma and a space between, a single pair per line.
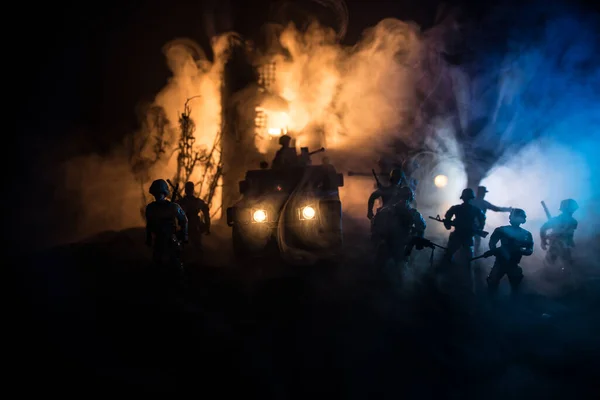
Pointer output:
495, 252
478, 232
376, 179
175, 190
420, 243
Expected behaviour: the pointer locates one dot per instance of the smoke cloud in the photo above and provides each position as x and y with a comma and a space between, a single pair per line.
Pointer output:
513, 111
541, 95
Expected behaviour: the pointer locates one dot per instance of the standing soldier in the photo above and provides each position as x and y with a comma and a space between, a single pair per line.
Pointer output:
563, 229
193, 206
388, 194
393, 231
162, 217
485, 205
468, 219
515, 242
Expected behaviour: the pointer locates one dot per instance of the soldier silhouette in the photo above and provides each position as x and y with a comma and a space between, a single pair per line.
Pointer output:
388, 194
515, 242
286, 156
484, 205
393, 228
162, 217
468, 219
561, 240
193, 206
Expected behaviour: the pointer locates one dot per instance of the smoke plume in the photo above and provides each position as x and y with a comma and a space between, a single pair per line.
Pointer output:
506, 99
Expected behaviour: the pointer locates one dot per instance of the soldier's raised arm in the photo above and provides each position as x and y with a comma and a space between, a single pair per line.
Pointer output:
492, 207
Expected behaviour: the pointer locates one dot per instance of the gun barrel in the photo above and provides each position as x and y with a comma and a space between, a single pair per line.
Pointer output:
322, 149
548, 215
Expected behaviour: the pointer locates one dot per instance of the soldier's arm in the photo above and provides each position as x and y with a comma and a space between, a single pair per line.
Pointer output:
450, 213
374, 196
183, 221
544, 230
527, 249
206, 213
148, 227
481, 219
448, 217
419, 223
492, 207
496, 236
572, 229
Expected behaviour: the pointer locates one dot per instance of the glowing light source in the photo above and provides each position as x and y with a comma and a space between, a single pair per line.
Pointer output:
440, 181
275, 131
308, 212
259, 216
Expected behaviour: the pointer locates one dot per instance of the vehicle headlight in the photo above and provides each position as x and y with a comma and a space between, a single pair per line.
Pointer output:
308, 212
259, 216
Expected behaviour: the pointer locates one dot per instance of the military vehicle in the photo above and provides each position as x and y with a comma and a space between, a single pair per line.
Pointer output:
294, 211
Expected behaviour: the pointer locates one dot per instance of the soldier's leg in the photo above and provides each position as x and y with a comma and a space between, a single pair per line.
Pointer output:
477, 244
552, 255
469, 253
452, 247
515, 276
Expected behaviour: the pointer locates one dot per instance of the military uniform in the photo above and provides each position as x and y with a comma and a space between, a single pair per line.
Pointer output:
484, 205
515, 242
162, 217
563, 229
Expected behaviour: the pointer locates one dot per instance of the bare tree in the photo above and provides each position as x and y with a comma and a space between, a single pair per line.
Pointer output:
192, 157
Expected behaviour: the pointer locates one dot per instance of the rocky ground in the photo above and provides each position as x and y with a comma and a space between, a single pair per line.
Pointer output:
100, 322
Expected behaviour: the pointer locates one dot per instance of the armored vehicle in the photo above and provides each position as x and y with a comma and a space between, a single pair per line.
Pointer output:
295, 210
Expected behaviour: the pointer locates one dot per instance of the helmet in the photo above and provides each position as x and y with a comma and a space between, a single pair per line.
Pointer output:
481, 190
518, 214
189, 187
569, 205
285, 140
467, 194
397, 175
159, 186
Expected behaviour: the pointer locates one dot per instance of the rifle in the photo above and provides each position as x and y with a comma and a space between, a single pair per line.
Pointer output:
478, 232
376, 179
420, 243
175, 190
487, 254
548, 215
494, 252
